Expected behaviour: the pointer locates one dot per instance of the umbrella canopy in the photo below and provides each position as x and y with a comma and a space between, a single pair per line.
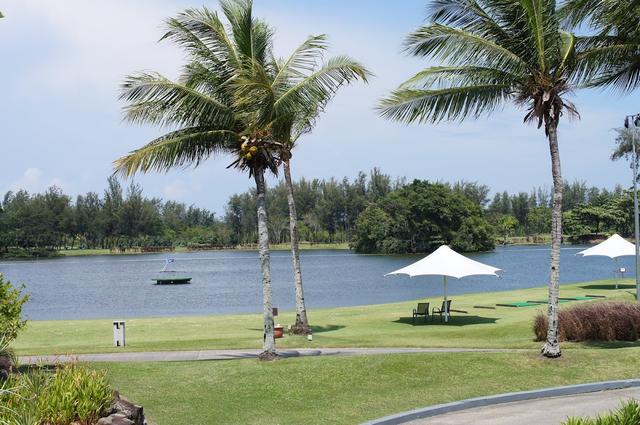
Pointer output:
614, 247
446, 262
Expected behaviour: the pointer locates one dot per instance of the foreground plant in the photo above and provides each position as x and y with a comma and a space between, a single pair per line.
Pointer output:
627, 414
11, 302
207, 113
494, 52
72, 394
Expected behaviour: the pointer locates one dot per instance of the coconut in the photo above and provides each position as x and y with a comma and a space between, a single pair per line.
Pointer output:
248, 156
253, 149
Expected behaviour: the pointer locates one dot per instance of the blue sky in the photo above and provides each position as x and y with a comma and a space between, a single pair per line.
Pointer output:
61, 123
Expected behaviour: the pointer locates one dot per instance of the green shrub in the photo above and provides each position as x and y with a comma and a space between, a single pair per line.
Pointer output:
71, 394
75, 393
11, 301
594, 321
627, 414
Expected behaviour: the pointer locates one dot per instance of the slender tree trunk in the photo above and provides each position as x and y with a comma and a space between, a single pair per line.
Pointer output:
301, 327
269, 342
551, 347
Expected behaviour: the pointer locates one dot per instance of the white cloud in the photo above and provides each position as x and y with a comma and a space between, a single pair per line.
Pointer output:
175, 190
30, 180
33, 180
96, 43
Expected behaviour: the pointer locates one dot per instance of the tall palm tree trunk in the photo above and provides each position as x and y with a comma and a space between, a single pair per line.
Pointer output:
269, 342
301, 327
551, 347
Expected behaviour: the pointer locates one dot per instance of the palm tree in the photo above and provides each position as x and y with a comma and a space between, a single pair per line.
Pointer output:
495, 51
205, 115
614, 40
297, 90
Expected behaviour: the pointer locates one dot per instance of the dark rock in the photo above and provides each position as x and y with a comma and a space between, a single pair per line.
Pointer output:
6, 367
129, 410
115, 419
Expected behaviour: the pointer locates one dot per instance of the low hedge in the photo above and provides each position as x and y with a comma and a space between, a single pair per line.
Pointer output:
594, 321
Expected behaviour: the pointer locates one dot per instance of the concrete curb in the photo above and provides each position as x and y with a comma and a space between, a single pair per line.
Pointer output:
456, 406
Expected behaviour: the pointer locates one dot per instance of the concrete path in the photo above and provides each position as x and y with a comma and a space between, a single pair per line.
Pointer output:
175, 356
547, 411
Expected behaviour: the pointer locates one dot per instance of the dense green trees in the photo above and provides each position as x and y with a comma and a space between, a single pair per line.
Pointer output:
328, 212
421, 216
34, 224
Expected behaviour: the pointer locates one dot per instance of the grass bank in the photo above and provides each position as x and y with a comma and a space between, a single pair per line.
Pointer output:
275, 247
385, 325
348, 390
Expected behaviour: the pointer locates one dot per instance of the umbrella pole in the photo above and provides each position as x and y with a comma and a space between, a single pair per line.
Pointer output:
446, 306
617, 271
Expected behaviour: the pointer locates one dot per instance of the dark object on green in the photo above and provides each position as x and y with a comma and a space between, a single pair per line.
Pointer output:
520, 304
172, 280
422, 310
441, 310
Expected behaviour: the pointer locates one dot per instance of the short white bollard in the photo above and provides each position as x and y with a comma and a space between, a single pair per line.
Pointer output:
119, 333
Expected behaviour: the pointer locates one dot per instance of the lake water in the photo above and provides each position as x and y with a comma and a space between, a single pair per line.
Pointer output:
230, 282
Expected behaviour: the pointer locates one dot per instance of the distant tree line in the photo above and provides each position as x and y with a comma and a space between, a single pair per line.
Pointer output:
34, 224
372, 212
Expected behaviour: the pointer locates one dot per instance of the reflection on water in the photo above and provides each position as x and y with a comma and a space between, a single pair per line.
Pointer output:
229, 282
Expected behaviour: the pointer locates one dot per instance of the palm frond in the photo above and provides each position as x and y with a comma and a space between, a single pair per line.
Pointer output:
454, 103
608, 64
155, 99
252, 37
459, 47
459, 76
472, 16
304, 59
203, 35
320, 86
180, 148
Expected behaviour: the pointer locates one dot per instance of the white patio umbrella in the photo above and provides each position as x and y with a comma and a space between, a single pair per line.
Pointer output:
614, 247
446, 262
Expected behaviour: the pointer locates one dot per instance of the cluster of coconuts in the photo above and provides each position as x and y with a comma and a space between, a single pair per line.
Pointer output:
248, 151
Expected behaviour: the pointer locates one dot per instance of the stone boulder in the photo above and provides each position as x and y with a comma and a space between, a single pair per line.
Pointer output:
6, 367
123, 412
115, 419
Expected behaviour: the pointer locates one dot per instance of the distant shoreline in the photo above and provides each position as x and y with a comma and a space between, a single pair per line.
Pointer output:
304, 246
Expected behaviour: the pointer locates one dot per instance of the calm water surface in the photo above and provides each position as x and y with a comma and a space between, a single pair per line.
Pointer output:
229, 282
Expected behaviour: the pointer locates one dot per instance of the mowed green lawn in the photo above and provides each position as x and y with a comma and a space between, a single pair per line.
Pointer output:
348, 390
386, 325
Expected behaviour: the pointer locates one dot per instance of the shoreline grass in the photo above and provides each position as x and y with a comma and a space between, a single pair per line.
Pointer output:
275, 247
383, 325
348, 390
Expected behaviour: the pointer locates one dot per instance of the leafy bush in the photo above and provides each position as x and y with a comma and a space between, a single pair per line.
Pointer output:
595, 321
420, 217
71, 394
627, 414
11, 301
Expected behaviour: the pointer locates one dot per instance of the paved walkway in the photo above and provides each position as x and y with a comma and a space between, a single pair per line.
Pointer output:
547, 411
174, 356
